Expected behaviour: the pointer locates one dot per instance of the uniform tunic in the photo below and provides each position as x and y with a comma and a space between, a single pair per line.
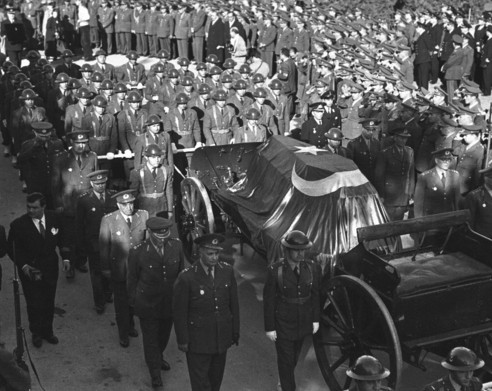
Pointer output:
219, 128
184, 132
364, 156
479, 202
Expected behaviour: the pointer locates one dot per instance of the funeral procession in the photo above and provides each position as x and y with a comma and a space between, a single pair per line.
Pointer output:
246, 195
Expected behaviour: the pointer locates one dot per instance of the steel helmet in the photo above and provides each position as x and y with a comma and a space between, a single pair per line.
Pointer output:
220, 95
14, 70
183, 62
20, 77
276, 85
25, 84
187, 81
334, 134
212, 58
62, 78
134, 97
283, 74
28, 94
132, 55
182, 98
153, 150
84, 93
48, 69
86, 68
163, 53
260, 93
120, 87
173, 74
100, 101
41, 62
204, 89
240, 84
200, 66
107, 84
74, 84
253, 114
229, 63
258, 78
6, 65
33, 55
97, 77
67, 53
296, 240
153, 119
159, 68
244, 69
226, 78
462, 359
215, 70
368, 368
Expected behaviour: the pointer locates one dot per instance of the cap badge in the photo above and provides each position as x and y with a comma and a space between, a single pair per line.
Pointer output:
215, 241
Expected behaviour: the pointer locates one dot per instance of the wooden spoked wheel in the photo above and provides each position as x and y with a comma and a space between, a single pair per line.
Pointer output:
197, 218
354, 322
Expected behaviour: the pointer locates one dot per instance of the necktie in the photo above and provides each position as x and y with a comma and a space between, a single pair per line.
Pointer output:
211, 273
100, 118
296, 272
121, 105
129, 222
103, 68
83, 109
443, 180
154, 173
29, 112
79, 161
101, 197
183, 114
42, 231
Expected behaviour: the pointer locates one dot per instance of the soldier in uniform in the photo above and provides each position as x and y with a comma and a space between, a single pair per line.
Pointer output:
252, 130
86, 70
107, 70
123, 24
68, 67
460, 363
395, 175
154, 135
36, 160
334, 143
182, 124
279, 103
267, 116
219, 123
153, 183
117, 103
267, 43
199, 105
365, 148
479, 202
69, 181
313, 130
132, 73
240, 101
153, 267
91, 207
154, 86
76, 112
58, 100
351, 120
165, 30
131, 124
206, 314
437, 189
367, 373
120, 231
106, 21
291, 304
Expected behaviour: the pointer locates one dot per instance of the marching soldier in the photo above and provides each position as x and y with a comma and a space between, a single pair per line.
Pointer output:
86, 71
479, 202
182, 124
334, 143
219, 123
154, 135
199, 105
395, 175
153, 267
206, 292
252, 130
291, 304
118, 102
58, 101
267, 116
239, 101
68, 67
107, 70
120, 231
132, 73
437, 189
461, 362
76, 112
91, 207
153, 183
36, 160
69, 181
279, 102
367, 373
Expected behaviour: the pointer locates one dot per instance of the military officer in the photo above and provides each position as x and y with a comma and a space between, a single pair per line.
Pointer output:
313, 130
182, 124
69, 181
199, 105
267, 115
59, 99
36, 160
132, 73
154, 86
291, 304
85, 80
120, 231
239, 101
351, 128
91, 207
437, 189
479, 202
279, 103
106, 19
365, 148
123, 27
334, 143
118, 102
153, 267
395, 175
368, 372
460, 363
219, 123
76, 112
252, 130
153, 183
107, 70
68, 67
206, 314
154, 135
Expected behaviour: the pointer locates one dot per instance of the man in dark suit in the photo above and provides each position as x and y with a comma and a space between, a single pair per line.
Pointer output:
267, 43
120, 231
198, 21
288, 74
153, 267
15, 36
314, 129
91, 208
206, 314
216, 36
479, 202
395, 175
422, 61
33, 239
461, 362
291, 304
68, 67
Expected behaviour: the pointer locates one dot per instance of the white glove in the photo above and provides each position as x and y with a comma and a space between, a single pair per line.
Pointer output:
315, 327
232, 141
66, 265
173, 147
155, 98
272, 335
129, 86
128, 154
110, 156
199, 145
166, 110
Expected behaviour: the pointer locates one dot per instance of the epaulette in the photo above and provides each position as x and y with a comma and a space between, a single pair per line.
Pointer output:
85, 193
454, 171
138, 245
426, 172
222, 263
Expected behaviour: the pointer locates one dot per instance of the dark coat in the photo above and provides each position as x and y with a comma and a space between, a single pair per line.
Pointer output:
444, 384
469, 162
72, 70
15, 35
423, 48
291, 321
103, 138
479, 202
162, 140
313, 133
130, 126
364, 157
151, 278
216, 38
333, 118
206, 313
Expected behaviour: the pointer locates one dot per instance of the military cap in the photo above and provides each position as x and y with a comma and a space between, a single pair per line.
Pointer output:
369, 123
219, 94
86, 68
296, 240
401, 132
204, 89
101, 52
244, 69
468, 90
409, 107
215, 70
443, 154
240, 84
43, 128
107, 84
446, 121
173, 74
462, 359
20, 77
153, 120
163, 54
229, 63
79, 136
253, 114
355, 87
260, 93
6, 65
28, 94
132, 55
33, 55
200, 66
125, 196
97, 77
99, 176
84, 93
159, 225
134, 97
317, 106
100, 101
41, 62
321, 83
74, 84
334, 134
457, 39
276, 85
183, 62
153, 150
472, 129
211, 241
212, 58
67, 53
182, 98
62, 78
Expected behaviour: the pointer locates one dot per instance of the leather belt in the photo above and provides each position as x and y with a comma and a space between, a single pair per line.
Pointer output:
300, 300
221, 131
183, 133
152, 195
101, 138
